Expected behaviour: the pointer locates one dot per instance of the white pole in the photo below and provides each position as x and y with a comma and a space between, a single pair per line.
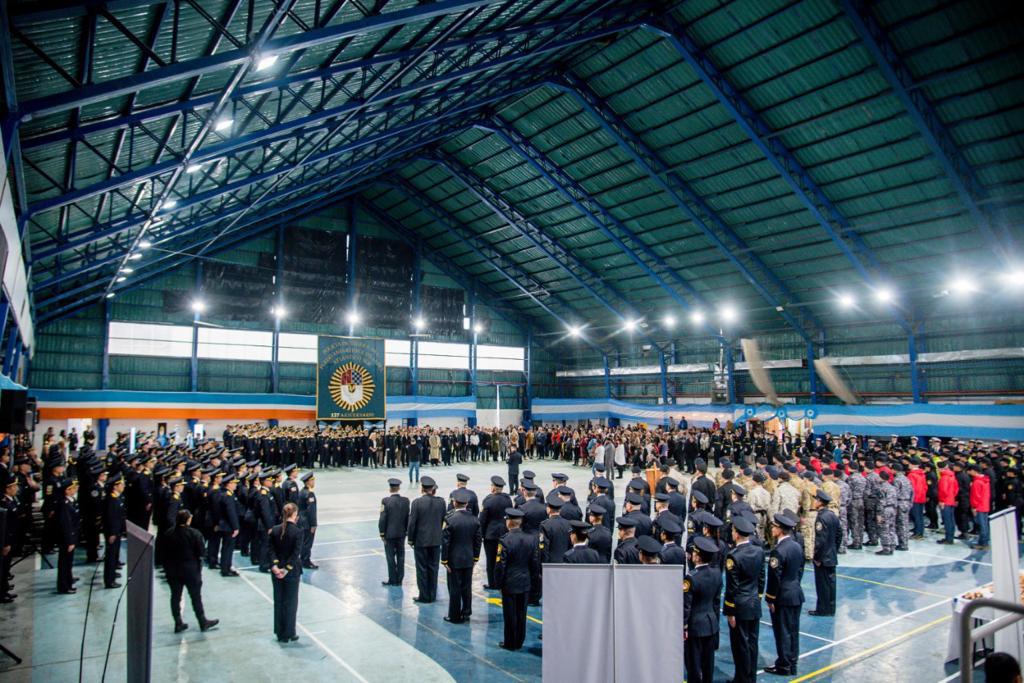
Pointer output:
497, 406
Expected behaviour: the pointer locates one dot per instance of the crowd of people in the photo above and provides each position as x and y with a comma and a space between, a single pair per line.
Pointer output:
743, 511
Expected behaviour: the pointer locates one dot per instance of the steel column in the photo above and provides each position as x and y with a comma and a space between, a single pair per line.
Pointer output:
105, 374
664, 386
417, 280
275, 361
472, 353
730, 373
351, 271
528, 368
812, 376
12, 341
916, 380
607, 377
196, 315
101, 433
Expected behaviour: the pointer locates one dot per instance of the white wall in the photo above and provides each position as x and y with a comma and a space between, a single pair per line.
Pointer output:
490, 417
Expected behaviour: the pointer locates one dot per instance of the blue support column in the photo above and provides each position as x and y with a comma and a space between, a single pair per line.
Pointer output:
14, 361
275, 356
102, 425
664, 387
607, 377
352, 250
812, 376
528, 397
196, 315
12, 340
272, 422
417, 279
105, 376
730, 373
472, 353
4, 309
916, 381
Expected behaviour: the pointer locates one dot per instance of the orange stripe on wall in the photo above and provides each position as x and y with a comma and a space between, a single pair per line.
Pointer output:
176, 413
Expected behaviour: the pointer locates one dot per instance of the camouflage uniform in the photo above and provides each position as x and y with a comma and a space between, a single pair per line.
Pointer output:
845, 495
760, 502
904, 499
872, 507
887, 504
808, 515
858, 487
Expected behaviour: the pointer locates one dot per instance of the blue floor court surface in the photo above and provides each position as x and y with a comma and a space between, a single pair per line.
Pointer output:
891, 625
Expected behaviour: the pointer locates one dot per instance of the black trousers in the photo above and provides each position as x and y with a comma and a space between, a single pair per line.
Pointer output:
110, 558
286, 604
536, 585
5, 568
786, 628
394, 555
427, 562
513, 610
91, 538
308, 536
227, 550
513, 477
213, 549
460, 584
194, 584
258, 549
64, 561
491, 552
825, 586
699, 655
743, 641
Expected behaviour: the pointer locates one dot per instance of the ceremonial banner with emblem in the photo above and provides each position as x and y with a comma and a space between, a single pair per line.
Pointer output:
351, 379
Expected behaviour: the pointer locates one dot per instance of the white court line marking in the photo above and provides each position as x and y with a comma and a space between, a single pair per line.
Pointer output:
349, 521
342, 557
869, 630
333, 655
808, 635
348, 540
950, 559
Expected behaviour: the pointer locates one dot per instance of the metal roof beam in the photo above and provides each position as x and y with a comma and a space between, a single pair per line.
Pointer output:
565, 259
502, 264
460, 275
248, 91
100, 92
652, 264
926, 119
832, 221
693, 206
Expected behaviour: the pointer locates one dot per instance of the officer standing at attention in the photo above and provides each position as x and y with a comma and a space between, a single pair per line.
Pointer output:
627, 552
460, 551
492, 523
67, 537
426, 517
827, 537
580, 552
515, 459
784, 595
671, 552
285, 555
701, 592
744, 586
113, 527
394, 521
307, 518
474, 504
228, 525
183, 565
517, 554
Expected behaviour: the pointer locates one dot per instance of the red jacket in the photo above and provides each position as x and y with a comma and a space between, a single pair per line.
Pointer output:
981, 494
948, 487
919, 484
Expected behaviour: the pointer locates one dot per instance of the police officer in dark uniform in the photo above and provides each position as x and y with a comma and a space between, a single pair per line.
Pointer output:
702, 590
492, 522
627, 552
671, 553
461, 539
554, 533
286, 568
784, 594
68, 528
580, 552
426, 517
114, 527
744, 586
474, 503
828, 535
393, 524
307, 518
263, 511
515, 459
600, 537
183, 565
605, 499
228, 525
517, 555
290, 487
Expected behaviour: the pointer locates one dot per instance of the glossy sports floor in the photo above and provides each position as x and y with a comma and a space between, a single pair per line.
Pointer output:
892, 622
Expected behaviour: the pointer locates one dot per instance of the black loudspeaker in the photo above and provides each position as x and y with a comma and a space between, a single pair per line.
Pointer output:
31, 413
12, 411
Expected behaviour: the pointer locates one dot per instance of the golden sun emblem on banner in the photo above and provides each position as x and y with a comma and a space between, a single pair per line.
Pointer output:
351, 386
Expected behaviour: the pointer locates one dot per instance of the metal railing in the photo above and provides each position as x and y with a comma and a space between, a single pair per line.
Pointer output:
969, 635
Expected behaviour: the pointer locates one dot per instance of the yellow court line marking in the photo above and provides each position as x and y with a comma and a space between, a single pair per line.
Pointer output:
890, 585
497, 601
871, 650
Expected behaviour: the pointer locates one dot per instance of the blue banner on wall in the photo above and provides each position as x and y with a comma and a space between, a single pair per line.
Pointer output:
351, 379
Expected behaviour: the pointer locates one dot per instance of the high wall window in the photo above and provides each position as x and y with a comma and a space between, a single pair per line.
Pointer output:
235, 344
500, 358
398, 353
145, 339
296, 348
443, 355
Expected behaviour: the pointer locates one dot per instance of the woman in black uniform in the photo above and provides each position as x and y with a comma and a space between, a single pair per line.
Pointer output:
286, 567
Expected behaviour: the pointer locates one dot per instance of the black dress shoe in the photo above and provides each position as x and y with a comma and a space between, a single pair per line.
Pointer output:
453, 621
869, 544
208, 624
418, 599
230, 572
777, 671
6, 599
112, 585
293, 639
386, 583
178, 628
503, 647
884, 552
70, 591
311, 565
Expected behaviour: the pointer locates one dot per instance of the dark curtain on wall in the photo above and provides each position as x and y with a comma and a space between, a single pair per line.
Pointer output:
314, 275
384, 281
231, 292
443, 309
